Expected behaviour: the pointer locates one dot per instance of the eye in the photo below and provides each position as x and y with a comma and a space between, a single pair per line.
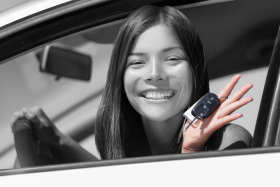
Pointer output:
136, 63
174, 59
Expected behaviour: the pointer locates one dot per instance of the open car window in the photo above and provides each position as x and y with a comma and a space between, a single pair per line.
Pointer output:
72, 103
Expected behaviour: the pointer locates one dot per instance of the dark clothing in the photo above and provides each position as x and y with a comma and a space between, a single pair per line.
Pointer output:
230, 136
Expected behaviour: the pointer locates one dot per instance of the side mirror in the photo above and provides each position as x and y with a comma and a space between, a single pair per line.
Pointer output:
64, 62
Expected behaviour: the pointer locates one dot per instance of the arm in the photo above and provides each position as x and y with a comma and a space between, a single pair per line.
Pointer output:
196, 135
72, 151
47, 132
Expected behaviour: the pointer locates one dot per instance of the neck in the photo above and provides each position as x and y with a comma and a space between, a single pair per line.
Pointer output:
161, 134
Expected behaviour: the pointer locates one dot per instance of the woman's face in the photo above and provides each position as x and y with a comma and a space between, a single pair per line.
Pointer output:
158, 80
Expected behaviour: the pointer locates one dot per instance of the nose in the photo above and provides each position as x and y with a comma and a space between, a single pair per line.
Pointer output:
155, 72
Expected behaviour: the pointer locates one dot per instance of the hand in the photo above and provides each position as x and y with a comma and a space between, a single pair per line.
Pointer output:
47, 132
44, 128
196, 135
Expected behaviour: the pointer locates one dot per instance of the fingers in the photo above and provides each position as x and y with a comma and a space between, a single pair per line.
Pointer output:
40, 114
237, 95
30, 115
18, 115
227, 110
229, 87
226, 119
27, 114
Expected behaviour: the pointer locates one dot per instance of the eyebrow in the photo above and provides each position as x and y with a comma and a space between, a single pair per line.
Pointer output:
164, 50
171, 48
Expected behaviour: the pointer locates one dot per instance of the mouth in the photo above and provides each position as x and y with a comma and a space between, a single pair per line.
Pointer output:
158, 94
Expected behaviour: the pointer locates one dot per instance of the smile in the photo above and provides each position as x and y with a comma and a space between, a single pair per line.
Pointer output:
158, 94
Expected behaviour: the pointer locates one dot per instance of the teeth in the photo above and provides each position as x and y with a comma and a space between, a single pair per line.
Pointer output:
157, 95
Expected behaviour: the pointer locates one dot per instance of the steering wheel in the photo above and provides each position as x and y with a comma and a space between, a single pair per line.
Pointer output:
30, 150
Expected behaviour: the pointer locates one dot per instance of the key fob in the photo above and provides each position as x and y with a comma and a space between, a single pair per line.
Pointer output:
206, 106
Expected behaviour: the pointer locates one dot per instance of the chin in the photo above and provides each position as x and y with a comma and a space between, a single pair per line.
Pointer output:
157, 115
159, 111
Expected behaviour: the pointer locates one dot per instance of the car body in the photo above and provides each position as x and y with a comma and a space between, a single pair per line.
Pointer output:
238, 37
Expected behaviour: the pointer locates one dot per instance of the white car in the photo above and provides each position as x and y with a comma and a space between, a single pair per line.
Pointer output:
238, 37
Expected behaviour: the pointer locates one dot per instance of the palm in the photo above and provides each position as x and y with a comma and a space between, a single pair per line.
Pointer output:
197, 134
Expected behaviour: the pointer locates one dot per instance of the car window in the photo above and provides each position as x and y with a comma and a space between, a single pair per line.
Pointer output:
72, 104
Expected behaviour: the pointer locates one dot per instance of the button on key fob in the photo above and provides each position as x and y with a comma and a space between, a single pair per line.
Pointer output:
206, 106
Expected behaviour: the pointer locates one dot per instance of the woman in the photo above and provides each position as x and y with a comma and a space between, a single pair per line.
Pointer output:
158, 70
134, 123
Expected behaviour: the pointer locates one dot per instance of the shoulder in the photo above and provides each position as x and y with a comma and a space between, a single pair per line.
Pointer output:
230, 136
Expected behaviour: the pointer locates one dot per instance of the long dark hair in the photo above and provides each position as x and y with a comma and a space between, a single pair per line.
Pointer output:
119, 131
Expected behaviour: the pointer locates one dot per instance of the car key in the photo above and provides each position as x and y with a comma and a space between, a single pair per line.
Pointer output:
203, 108
206, 106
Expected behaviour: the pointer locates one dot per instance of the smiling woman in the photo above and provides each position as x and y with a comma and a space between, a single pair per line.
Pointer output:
158, 70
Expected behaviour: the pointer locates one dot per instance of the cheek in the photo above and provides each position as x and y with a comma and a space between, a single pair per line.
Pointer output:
186, 79
130, 81
184, 76
127, 82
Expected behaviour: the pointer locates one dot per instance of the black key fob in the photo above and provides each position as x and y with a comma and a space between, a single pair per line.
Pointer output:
206, 106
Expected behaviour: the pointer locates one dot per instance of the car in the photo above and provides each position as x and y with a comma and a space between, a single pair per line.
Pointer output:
238, 37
